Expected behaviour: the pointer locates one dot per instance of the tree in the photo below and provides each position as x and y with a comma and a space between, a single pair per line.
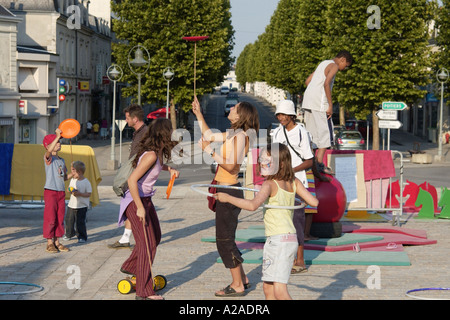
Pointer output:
279, 51
391, 62
443, 38
311, 28
159, 25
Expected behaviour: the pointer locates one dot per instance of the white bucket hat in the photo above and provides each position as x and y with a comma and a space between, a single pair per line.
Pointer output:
286, 107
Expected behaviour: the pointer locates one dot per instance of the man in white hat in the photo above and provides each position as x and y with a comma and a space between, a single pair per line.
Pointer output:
295, 136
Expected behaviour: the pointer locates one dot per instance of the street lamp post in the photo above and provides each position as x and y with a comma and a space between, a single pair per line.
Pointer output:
168, 74
138, 62
114, 73
442, 77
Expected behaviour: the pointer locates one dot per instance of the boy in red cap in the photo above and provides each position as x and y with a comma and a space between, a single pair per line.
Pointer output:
54, 193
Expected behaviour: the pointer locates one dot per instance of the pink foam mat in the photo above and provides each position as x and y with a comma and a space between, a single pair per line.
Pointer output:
385, 229
393, 240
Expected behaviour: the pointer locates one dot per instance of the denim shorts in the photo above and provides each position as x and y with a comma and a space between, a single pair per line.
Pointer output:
278, 257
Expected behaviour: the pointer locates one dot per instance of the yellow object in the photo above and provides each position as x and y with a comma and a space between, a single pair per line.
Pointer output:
159, 282
28, 172
127, 285
357, 214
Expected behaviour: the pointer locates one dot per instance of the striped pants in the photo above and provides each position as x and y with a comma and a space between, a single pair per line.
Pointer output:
138, 263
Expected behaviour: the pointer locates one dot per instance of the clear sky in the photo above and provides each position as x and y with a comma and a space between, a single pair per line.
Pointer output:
249, 19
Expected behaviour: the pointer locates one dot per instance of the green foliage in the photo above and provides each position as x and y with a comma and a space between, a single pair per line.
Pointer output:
159, 26
443, 39
392, 62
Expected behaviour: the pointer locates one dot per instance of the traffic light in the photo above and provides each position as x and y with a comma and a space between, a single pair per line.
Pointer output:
62, 90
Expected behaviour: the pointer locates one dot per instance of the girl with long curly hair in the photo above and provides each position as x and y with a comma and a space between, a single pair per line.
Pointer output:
154, 148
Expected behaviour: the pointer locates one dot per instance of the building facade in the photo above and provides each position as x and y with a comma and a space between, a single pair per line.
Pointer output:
58, 39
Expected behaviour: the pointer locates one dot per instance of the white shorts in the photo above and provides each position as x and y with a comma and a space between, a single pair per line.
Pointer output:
278, 257
320, 128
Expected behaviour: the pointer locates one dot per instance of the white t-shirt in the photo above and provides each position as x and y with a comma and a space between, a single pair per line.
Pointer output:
300, 140
82, 186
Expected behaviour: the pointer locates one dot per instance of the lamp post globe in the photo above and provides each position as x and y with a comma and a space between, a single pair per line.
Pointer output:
168, 74
114, 73
136, 65
442, 77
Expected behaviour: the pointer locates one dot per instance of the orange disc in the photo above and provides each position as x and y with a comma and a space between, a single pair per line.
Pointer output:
70, 128
169, 187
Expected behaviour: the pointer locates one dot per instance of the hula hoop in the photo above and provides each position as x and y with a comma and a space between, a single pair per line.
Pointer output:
37, 289
218, 186
425, 289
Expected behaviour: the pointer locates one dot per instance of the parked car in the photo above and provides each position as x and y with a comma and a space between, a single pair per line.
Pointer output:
350, 140
159, 113
360, 125
233, 95
229, 103
224, 90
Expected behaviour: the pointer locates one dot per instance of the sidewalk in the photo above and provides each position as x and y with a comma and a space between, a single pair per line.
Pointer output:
90, 271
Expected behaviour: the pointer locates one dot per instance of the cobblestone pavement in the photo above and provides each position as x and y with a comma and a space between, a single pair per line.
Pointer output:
190, 264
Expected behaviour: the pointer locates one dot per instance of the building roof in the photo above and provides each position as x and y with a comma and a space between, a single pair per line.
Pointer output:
41, 5
5, 12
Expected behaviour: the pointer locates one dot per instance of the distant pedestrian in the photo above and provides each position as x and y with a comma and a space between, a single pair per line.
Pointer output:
318, 105
80, 191
104, 129
89, 129
95, 129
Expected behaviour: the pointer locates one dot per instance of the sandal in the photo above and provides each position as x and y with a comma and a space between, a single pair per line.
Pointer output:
230, 292
51, 248
298, 269
62, 248
152, 298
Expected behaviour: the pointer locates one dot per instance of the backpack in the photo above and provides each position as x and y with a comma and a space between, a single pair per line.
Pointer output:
120, 185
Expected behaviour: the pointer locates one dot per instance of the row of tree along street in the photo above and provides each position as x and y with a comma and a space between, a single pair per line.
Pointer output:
394, 45
397, 46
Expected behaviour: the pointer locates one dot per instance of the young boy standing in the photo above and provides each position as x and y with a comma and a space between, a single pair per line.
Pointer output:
80, 189
318, 104
54, 193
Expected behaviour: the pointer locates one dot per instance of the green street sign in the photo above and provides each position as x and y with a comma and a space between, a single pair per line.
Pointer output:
390, 105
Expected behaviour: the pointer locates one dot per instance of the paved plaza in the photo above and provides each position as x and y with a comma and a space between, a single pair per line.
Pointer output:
90, 271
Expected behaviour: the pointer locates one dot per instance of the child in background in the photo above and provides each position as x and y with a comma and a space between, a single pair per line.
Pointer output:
54, 193
80, 189
281, 244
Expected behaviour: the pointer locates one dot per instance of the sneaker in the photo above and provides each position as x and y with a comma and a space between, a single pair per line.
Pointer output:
65, 238
62, 248
118, 245
81, 240
51, 248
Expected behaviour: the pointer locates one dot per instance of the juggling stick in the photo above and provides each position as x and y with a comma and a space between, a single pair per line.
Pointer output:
195, 39
169, 187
